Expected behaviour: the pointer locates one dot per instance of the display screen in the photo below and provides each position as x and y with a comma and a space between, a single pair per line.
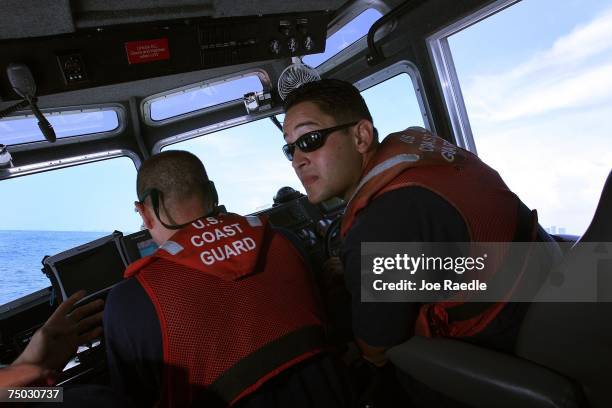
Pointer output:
92, 270
146, 248
138, 245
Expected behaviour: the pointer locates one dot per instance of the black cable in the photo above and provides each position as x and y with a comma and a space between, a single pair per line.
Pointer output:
12, 109
43, 124
276, 122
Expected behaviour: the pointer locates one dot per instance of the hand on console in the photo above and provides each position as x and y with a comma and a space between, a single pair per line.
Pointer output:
57, 340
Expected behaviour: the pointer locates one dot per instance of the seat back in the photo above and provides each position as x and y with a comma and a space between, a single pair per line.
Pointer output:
575, 339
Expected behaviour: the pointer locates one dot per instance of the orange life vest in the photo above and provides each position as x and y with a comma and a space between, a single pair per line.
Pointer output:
235, 306
415, 157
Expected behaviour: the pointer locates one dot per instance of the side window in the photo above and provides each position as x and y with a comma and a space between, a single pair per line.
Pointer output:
47, 213
535, 79
402, 113
24, 129
246, 163
199, 97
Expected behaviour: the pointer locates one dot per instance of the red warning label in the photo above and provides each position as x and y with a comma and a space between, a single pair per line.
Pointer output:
139, 52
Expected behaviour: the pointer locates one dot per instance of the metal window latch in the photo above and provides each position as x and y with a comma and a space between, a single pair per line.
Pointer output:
257, 101
5, 157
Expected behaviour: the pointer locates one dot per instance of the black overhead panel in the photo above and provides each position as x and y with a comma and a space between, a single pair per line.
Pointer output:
123, 53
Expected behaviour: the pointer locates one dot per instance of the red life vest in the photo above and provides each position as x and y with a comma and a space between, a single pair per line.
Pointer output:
415, 157
235, 306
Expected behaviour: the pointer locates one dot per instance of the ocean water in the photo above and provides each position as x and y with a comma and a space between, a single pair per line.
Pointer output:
21, 253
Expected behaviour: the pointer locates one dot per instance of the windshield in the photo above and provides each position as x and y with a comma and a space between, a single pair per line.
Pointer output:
47, 213
246, 163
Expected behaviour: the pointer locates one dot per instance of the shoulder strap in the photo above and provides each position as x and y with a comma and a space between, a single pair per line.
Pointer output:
527, 223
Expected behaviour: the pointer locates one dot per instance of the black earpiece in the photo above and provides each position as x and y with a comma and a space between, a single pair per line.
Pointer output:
210, 190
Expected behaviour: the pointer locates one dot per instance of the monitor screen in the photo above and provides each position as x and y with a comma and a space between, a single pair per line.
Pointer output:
138, 245
94, 268
146, 248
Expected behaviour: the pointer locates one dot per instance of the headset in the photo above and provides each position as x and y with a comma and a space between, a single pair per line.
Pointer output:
208, 188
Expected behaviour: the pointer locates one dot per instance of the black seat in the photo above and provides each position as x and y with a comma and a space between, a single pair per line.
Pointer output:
575, 339
600, 229
564, 349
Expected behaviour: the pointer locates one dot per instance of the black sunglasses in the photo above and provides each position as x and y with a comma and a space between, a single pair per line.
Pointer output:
311, 141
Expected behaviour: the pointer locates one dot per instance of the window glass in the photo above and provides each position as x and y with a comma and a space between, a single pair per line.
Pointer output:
205, 96
24, 129
47, 213
402, 113
345, 36
536, 79
246, 163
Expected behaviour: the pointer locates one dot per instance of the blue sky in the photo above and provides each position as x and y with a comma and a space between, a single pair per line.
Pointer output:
536, 79
536, 82
95, 197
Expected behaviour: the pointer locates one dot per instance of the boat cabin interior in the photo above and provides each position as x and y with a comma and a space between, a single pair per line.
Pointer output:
90, 89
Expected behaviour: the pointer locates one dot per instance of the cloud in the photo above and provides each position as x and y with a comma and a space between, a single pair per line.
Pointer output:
542, 124
246, 163
575, 72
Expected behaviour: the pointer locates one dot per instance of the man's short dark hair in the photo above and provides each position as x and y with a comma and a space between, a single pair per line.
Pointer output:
177, 174
334, 97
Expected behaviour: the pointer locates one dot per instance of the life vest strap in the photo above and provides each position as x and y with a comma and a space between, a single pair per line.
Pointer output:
248, 371
526, 223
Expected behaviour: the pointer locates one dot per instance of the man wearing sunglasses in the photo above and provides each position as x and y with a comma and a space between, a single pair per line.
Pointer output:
222, 312
411, 187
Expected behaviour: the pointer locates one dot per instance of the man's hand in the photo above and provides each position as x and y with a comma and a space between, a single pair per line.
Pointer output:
23, 375
57, 340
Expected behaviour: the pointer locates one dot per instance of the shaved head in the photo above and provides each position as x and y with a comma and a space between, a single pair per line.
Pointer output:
178, 175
